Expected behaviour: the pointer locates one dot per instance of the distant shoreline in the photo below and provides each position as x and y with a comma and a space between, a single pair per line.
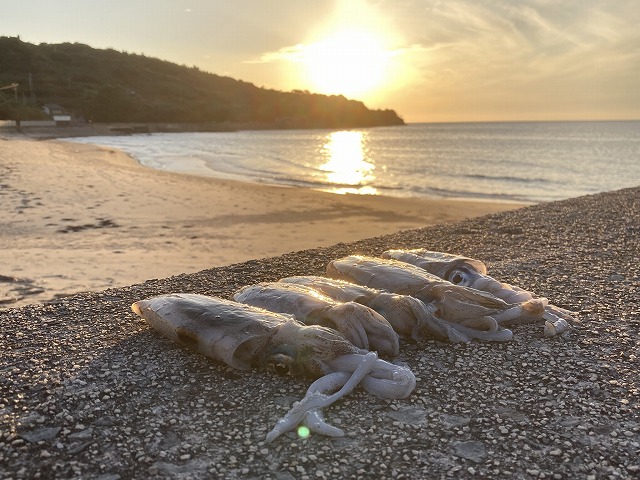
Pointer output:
123, 129
116, 129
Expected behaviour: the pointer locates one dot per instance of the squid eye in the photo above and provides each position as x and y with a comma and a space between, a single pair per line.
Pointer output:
281, 368
280, 363
459, 276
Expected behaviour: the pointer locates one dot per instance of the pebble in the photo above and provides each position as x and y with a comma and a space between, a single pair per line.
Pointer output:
471, 450
41, 434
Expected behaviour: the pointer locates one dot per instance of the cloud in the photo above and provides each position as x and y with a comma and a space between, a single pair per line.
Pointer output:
498, 54
539, 38
294, 53
494, 55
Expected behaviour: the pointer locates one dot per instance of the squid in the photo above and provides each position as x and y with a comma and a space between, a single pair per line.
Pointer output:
457, 304
243, 337
357, 323
408, 316
469, 272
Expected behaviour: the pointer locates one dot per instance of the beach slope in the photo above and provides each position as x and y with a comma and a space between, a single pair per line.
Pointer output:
88, 391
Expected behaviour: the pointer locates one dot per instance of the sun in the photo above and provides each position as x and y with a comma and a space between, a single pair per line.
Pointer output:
351, 62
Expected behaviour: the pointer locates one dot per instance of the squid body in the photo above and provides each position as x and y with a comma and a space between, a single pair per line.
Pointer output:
469, 272
243, 336
359, 324
407, 315
463, 306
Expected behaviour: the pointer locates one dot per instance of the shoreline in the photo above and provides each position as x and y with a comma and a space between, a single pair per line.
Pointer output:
126, 130
92, 392
51, 132
79, 217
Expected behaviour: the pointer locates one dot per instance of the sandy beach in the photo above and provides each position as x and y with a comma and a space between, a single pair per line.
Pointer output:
89, 391
77, 218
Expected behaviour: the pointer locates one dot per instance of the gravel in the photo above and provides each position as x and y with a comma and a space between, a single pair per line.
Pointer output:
88, 391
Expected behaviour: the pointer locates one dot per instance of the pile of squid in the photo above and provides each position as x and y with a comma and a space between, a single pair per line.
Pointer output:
334, 328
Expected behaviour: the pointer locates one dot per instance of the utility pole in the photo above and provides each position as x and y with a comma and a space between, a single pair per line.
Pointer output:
33, 95
13, 86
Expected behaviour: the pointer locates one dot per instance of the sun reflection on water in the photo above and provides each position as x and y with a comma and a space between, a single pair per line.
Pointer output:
347, 167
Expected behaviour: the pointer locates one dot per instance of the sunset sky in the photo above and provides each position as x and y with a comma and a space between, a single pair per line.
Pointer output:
430, 60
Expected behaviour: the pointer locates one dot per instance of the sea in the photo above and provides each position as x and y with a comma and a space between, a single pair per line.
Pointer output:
529, 162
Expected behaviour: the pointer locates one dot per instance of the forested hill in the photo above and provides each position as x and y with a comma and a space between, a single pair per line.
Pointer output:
112, 86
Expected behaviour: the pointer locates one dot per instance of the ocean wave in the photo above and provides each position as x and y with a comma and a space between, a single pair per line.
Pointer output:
458, 194
520, 162
508, 178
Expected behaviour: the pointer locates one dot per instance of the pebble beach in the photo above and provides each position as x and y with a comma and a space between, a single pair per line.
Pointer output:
89, 391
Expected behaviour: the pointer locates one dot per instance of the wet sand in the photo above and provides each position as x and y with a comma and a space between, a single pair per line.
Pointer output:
80, 218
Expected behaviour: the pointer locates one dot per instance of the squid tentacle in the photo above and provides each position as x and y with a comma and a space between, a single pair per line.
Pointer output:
555, 321
315, 399
404, 313
378, 332
529, 311
355, 332
315, 422
386, 380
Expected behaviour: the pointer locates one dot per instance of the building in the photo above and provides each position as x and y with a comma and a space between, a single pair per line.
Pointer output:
59, 114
